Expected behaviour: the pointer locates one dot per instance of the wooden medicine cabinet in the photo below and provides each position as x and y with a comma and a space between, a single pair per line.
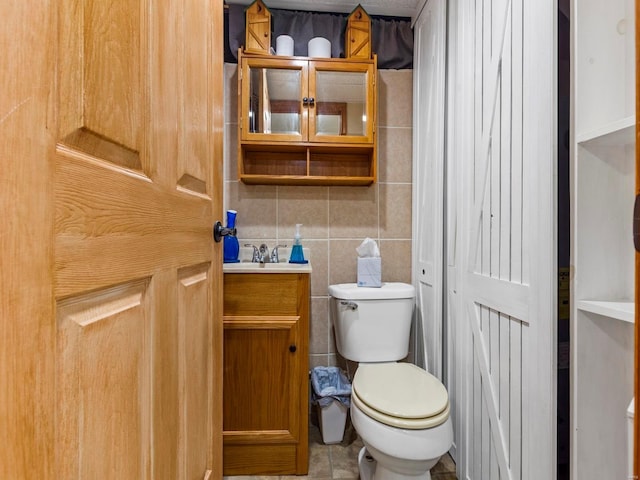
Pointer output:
306, 121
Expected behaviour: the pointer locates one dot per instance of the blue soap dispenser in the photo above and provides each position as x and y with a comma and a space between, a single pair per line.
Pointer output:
231, 247
297, 255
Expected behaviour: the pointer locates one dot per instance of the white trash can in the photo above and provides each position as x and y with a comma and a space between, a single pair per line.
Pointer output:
332, 419
331, 394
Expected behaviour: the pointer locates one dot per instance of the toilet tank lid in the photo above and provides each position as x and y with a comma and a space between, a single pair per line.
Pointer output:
389, 290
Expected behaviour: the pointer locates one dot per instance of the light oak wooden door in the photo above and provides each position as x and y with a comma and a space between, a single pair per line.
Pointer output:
111, 126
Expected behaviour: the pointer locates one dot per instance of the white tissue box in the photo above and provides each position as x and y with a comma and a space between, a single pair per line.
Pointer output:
369, 272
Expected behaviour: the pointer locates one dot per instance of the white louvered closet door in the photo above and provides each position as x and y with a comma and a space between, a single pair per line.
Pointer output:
507, 300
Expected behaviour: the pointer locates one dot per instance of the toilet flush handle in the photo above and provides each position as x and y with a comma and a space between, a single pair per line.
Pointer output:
351, 305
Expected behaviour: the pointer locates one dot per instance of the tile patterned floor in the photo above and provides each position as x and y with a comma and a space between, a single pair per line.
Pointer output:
339, 462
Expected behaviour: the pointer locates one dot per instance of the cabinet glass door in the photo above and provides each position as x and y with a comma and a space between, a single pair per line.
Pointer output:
341, 108
272, 101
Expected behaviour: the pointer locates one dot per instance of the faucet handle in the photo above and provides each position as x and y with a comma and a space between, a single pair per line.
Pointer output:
256, 253
274, 253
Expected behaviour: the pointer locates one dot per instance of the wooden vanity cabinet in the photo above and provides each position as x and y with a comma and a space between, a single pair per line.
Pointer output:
306, 121
266, 373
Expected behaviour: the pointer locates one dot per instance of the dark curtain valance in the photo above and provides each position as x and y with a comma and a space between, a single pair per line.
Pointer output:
392, 38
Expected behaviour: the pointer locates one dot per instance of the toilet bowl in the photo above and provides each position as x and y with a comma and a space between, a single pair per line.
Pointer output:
399, 454
406, 426
400, 411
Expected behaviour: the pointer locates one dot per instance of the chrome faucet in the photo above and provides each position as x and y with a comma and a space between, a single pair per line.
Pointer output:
255, 258
264, 254
261, 255
274, 253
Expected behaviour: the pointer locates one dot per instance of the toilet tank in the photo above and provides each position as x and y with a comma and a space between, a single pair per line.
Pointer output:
372, 324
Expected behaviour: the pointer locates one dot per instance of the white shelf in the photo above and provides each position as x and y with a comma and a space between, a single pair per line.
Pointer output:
619, 310
603, 93
619, 133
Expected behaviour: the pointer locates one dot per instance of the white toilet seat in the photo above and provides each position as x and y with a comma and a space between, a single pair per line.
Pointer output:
400, 395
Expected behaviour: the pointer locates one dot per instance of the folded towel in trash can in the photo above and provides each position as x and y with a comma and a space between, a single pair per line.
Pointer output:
330, 383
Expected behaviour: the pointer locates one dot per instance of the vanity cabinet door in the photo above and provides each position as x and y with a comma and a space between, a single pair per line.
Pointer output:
261, 398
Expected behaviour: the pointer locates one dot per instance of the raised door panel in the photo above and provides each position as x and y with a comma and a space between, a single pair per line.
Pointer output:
104, 387
195, 355
101, 96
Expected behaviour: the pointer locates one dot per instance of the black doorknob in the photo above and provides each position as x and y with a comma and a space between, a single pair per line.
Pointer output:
219, 231
292, 348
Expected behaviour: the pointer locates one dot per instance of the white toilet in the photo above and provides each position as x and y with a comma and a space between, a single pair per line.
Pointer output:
400, 411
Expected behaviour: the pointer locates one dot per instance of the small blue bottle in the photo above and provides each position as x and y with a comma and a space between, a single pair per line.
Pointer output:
231, 246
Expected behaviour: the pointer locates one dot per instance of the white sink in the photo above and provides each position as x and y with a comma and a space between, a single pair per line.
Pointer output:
247, 266
282, 267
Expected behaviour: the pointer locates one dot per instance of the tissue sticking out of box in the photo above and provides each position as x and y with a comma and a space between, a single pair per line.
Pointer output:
368, 248
369, 264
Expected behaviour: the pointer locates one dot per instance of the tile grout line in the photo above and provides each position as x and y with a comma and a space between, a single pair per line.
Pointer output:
330, 461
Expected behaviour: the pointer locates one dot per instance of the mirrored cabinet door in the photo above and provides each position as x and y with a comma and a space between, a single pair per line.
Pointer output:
272, 107
342, 100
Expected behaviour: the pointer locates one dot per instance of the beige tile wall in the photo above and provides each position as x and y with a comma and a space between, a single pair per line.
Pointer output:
336, 219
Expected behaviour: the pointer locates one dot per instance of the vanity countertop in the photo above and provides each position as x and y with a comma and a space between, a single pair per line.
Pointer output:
281, 267
245, 265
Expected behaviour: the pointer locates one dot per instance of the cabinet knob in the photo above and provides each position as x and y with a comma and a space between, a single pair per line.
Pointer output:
305, 101
312, 101
292, 348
